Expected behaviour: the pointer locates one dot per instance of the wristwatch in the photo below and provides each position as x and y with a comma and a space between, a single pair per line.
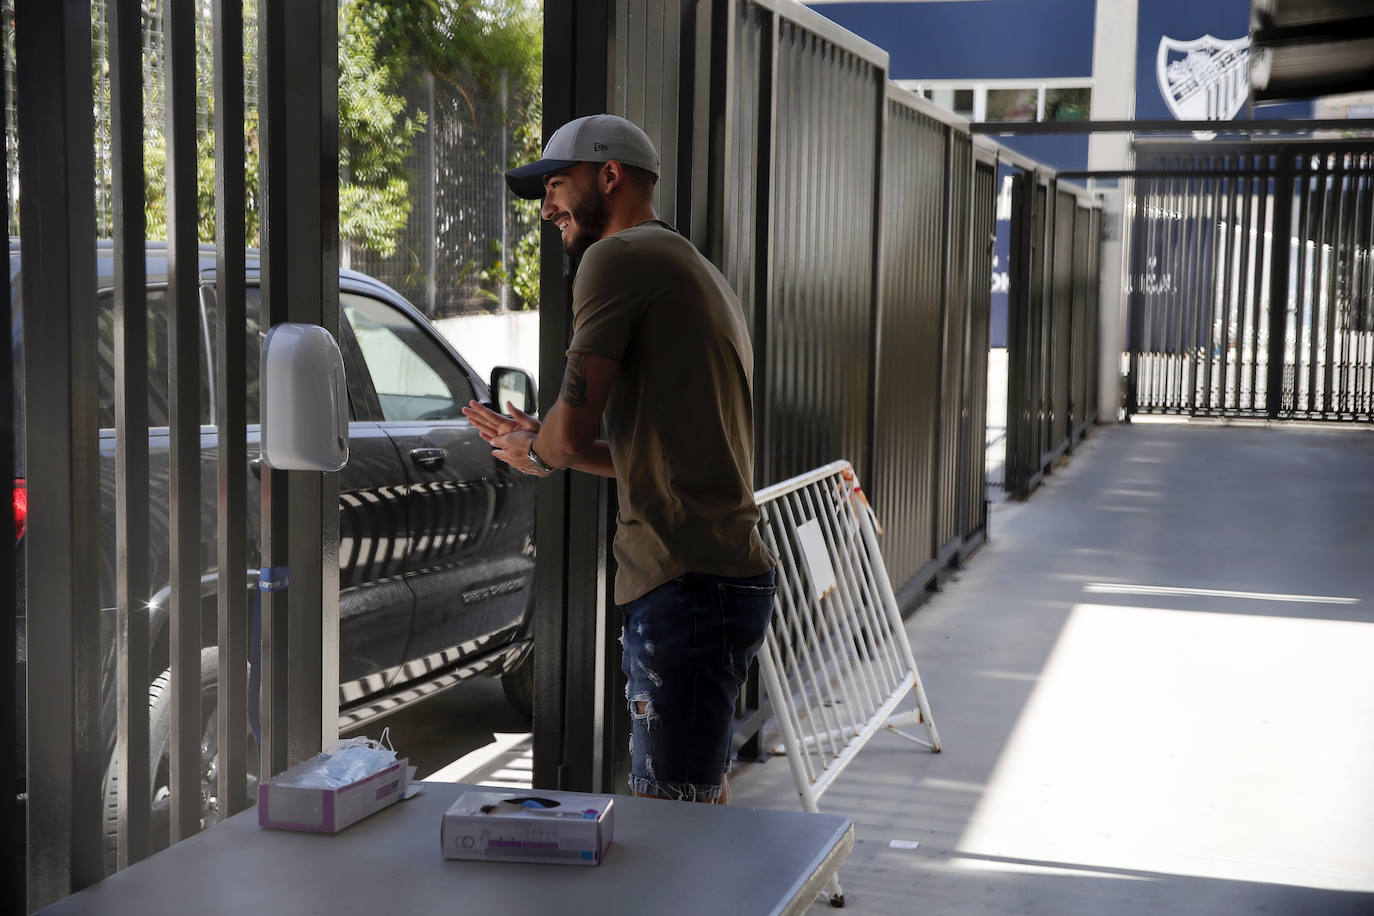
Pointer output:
538, 462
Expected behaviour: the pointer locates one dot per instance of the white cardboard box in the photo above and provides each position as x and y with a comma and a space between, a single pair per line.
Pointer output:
284, 807
507, 825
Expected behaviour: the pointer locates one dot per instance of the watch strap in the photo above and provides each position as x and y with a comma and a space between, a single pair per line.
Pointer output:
538, 462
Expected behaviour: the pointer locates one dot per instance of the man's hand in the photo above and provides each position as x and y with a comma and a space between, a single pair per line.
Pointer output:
491, 424
510, 437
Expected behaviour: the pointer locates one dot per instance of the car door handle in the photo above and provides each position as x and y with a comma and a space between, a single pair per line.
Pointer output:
430, 459
256, 466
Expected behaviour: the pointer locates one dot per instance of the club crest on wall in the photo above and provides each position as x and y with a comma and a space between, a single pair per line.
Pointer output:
1206, 79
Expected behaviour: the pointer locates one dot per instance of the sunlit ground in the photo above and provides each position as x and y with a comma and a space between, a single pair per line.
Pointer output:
1169, 741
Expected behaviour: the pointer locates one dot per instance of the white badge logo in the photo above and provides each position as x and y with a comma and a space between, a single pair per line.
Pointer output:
1205, 79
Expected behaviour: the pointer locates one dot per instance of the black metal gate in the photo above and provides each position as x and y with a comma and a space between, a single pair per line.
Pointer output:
1251, 284
1052, 313
83, 803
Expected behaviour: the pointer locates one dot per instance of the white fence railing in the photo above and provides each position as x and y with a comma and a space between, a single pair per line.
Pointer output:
836, 662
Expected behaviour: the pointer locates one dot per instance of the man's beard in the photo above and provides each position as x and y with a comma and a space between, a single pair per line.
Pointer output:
591, 216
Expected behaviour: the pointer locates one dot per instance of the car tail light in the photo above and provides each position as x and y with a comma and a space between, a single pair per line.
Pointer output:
21, 507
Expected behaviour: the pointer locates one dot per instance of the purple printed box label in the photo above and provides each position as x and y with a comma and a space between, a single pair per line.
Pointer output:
328, 810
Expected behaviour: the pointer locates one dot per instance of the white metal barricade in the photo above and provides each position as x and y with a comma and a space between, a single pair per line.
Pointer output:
836, 661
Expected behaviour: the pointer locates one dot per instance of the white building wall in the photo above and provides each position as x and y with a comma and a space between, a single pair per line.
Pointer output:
1114, 47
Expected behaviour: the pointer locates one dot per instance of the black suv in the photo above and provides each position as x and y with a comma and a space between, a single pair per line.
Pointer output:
436, 546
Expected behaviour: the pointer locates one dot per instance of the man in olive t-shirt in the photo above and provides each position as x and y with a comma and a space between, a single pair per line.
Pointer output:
660, 352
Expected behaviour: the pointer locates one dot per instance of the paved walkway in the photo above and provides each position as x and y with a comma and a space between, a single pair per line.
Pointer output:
1155, 689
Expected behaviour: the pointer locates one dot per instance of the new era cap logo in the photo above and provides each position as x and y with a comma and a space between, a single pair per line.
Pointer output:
600, 147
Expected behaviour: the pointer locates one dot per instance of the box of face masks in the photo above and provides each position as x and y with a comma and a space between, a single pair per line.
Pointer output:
507, 826
328, 792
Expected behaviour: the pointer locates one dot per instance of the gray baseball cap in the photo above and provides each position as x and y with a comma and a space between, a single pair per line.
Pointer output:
595, 138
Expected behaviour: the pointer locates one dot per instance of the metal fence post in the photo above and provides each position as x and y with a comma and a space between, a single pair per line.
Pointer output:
1134, 300
573, 570
300, 282
1281, 242
132, 514
231, 359
1019, 363
57, 216
183, 313
12, 833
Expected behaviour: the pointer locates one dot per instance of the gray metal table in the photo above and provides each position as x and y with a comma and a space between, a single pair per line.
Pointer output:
666, 858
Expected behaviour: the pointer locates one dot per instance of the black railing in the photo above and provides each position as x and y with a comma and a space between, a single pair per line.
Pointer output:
86, 738
1252, 290
1052, 319
854, 220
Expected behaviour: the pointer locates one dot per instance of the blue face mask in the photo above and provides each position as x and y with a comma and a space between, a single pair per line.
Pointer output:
345, 762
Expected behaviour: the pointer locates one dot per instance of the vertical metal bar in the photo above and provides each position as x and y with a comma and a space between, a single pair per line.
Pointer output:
1175, 262
551, 499
1194, 278
1262, 260
1153, 342
769, 162
1018, 341
1232, 272
1280, 247
1045, 316
273, 751
878, 278
1206, 290
1135, 297
1242, 284
14, 896
1365, 293
57, 218
572, 570
231, 410
1333, 274
1216, 311
183, 331
1173, 300
1350, 232
941, 396
1303, 177
1321, 207
132, 516
968, 453
790, 347
298, 117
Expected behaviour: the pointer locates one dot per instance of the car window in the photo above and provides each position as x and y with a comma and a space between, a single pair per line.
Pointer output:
414, 377
159, 365
252, 331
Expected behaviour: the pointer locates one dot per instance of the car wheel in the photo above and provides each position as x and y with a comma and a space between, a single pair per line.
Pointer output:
518, 685
159, 744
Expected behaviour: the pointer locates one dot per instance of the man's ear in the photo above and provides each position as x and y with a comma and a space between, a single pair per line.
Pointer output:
610, 176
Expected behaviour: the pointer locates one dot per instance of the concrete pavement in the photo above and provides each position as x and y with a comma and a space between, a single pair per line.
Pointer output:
1154, 690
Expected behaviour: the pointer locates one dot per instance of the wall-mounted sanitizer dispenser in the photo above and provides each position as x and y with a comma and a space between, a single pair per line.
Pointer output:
304, 400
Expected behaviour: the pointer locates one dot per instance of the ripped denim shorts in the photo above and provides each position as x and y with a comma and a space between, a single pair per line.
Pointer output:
686, 649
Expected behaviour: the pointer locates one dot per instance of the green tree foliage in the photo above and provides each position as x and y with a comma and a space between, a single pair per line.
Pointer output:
383, 46
472, 45
375, 131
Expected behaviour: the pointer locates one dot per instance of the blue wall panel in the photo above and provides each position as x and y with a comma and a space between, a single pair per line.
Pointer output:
1185, 21
979, 39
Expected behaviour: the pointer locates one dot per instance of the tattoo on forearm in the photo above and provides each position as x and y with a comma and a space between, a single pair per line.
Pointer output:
575, 381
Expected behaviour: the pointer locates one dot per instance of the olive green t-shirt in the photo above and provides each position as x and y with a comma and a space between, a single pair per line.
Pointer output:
679, 418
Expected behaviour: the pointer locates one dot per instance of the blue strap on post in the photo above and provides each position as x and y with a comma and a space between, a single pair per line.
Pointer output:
269, 580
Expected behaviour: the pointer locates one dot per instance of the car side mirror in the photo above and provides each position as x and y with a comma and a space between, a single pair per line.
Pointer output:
304, 400
516, 386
